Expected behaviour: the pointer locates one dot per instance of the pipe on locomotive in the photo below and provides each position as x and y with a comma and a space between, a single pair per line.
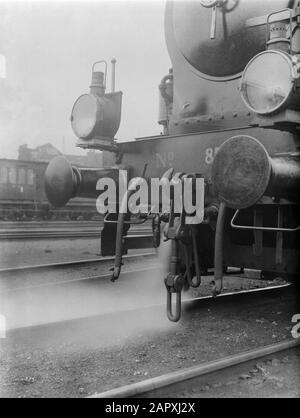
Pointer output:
243, 172
64, 181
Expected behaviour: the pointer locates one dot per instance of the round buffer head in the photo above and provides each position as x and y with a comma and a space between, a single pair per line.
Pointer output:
241, 171
59, 181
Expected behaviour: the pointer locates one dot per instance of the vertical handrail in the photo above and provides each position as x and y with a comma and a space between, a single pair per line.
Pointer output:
218, 261
105, 72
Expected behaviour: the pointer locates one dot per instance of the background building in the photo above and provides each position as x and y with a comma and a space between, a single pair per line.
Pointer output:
47, 151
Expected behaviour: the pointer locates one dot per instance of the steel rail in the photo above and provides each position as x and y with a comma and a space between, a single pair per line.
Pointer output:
97, 277
7, 225
169, 381
47, 233
64, 264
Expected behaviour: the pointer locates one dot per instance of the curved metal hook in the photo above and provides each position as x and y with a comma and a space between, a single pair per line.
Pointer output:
171, 316
105, 72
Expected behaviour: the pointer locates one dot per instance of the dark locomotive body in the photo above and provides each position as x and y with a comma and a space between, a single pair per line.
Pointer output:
162, 153
207, 110
247, 155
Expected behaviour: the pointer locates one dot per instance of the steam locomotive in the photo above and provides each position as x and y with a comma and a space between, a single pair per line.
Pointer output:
230, 113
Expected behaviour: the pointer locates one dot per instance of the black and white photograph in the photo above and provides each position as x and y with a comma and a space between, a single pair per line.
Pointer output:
149, 201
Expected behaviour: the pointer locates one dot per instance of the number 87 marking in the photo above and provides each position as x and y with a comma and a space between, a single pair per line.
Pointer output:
210, 154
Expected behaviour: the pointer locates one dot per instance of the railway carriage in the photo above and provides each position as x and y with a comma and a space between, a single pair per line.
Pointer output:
22, 195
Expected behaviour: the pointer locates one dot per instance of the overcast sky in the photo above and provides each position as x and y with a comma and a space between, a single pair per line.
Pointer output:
49, 48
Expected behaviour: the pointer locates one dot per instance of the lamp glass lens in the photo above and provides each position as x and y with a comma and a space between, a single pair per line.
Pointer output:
84, 115
267, 82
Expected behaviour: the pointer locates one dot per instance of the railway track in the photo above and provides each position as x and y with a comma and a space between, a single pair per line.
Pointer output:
60, 229
114, 307
67, 264
102, 340
16, 279
21, 235
40, 287
62, 232
7, 225
172, 384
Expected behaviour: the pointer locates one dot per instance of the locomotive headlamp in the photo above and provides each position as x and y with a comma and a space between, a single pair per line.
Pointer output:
84, 115
270, 82
95, 117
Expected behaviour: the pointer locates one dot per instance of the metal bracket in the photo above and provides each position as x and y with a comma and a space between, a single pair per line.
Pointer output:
259, 228
156, 230
105, 72
139, 222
